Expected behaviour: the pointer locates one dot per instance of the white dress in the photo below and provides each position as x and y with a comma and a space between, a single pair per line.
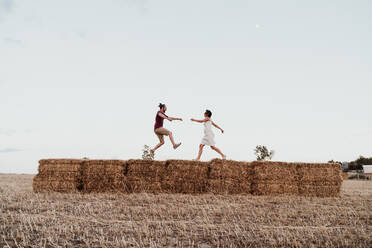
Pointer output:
208, 138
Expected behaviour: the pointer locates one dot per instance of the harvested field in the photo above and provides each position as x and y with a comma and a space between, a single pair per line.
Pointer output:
189, 177
57, 219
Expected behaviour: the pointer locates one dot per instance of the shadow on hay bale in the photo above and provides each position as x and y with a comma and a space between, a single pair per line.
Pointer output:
189, 177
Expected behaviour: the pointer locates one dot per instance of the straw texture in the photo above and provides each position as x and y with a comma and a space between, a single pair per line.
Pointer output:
60, 175
188, 177
103, 176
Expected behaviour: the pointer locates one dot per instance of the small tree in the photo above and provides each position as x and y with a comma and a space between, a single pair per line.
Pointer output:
147, 153
262, 153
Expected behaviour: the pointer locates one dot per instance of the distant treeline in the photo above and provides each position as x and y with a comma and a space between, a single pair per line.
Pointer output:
356, 164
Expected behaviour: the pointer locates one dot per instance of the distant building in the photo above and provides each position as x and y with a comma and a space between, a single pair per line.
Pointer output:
367, 169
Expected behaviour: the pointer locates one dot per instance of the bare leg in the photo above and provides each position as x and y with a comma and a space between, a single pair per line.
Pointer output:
172, 140
200, 152
157, 146
218, 151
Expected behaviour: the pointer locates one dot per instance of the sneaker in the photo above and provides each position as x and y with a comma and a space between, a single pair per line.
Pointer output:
176, 146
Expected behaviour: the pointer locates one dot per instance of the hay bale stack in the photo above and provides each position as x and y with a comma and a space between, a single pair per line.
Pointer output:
144, 176
274, 178
322, 180
190, 177
103, 176
59, 175
228, 176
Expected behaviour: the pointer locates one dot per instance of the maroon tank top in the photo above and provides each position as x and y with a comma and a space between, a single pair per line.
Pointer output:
159, 121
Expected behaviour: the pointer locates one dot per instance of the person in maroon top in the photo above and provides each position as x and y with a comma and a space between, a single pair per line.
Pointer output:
160, 131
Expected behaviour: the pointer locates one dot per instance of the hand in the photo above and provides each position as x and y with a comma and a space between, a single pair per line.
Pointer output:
222, 131
170, 119
180, 119
192, 119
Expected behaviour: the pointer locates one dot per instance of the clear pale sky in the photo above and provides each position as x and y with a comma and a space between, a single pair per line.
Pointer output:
83, 78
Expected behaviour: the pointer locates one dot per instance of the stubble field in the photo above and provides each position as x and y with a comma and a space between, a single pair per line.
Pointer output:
145, 220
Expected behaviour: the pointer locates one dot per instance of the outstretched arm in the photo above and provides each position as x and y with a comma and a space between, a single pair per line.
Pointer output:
201, 121
174, 119
216, 126
169, 118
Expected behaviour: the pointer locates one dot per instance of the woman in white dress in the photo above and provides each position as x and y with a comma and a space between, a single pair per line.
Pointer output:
208, 139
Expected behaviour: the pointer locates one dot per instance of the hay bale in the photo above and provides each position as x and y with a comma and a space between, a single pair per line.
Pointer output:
311, 171
103, 176
228, 176
321, 179
184, 176
274, 188
72, 165
144, 176
45, 186
229, 169
274, 178
306, 179
319, 191
144, 168
275, 171
60, 161
41, 185
59, 175
320, 183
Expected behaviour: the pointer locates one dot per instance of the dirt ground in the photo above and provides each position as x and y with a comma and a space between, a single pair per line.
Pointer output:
145, 220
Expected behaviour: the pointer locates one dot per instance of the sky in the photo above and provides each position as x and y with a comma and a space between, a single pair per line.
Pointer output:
83, 78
